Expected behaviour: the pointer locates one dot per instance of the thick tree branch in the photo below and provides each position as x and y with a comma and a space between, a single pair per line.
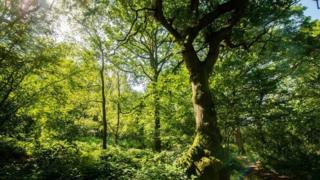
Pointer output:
214, 38
159, 16
212, 56
145, 72
176, 67
210, 17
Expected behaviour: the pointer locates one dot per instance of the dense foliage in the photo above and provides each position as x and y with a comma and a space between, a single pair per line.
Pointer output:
54, 87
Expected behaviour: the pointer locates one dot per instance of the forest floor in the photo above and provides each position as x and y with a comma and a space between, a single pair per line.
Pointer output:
258, 172
87, 160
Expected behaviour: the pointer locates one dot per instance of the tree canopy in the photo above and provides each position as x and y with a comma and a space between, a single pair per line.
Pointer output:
159, 89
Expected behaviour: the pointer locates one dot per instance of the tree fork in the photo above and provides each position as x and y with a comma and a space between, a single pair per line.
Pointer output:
205, 157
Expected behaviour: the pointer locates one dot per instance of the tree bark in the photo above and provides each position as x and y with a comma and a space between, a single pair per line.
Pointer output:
118, 109
103, 106
156, 114
205, 156
239, 141
237, 129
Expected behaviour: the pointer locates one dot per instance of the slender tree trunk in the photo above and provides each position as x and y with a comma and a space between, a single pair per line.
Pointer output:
259, 119
118, 109
237, 129
205, 156
239, 141
156, 114
103, 106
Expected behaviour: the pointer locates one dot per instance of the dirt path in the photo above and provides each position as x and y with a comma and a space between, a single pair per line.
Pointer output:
257, 172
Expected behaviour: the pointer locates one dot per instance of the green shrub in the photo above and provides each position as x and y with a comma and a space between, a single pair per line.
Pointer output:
125, 164
9, 150
57, 161
291, 154
160, 166
62, 160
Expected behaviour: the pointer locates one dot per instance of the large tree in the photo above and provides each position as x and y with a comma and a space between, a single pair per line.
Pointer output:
201, 28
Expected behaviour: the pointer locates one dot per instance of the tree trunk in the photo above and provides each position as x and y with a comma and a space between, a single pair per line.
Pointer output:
156, 115
237, 132
239, 141
205, 156
259, 119
118, 109
103, 106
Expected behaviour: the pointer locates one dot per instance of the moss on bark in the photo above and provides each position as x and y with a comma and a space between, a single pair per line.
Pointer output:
205, 159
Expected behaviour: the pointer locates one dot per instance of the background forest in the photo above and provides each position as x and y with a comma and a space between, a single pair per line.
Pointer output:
100, 90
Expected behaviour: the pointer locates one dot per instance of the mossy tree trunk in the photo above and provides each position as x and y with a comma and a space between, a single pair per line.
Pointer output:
205, 156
